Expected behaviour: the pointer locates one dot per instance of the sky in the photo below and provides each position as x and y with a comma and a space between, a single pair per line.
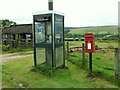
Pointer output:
78, 13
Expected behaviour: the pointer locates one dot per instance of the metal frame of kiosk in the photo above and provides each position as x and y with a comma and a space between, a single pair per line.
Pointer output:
48, 32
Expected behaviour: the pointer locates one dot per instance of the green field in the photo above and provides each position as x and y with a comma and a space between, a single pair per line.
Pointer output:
17, 73
96, 30
99, 43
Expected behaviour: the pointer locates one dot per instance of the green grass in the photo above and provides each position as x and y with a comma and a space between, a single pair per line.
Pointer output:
103, 66
100, 43
17, 74
96, 30
107, 43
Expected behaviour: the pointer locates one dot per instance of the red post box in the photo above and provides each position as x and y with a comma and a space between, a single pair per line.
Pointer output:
89, 43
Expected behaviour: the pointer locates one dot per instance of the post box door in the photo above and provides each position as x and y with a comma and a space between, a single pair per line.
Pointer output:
89, 43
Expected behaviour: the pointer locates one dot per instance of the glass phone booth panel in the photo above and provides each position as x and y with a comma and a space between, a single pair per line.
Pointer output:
59, 41
48, 39
43, 39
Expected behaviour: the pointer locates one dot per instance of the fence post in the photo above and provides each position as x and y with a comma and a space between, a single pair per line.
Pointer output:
83, 55
116, 63
16, 40
67, 49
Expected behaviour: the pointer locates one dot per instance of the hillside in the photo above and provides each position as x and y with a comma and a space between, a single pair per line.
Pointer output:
95, 30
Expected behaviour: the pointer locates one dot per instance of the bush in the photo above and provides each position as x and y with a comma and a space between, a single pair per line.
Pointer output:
9, 49
5, 47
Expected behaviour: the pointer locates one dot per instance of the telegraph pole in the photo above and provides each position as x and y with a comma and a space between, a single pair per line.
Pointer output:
50, 4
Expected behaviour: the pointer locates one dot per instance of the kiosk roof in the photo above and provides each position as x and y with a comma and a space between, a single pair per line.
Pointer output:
48, 12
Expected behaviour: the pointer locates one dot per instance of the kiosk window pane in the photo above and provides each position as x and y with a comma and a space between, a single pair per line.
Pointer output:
58, 32
48, 32
58, 29
40, 55
40, 32
43, 32
59, 56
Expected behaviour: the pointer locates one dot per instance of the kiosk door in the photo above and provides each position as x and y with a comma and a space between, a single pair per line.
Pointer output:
43, 40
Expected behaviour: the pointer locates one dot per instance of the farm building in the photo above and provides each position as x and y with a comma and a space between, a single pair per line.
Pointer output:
17, 35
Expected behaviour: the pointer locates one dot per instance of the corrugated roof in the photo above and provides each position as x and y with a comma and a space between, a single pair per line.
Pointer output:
18, 29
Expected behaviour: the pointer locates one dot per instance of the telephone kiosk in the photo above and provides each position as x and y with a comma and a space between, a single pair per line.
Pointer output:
48, 30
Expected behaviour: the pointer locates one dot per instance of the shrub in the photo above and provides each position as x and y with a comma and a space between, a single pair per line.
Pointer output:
5, 47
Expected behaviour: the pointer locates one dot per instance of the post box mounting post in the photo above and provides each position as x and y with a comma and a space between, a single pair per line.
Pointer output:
90, 57
89, 47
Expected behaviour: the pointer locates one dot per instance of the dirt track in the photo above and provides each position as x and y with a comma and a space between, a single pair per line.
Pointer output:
5, 57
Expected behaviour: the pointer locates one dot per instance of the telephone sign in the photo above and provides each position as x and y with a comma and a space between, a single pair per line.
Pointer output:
89, 43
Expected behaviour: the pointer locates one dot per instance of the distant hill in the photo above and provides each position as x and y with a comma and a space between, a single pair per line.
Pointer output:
77, 27
93, 29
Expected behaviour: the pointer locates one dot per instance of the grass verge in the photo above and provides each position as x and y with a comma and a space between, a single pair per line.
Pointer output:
17, 73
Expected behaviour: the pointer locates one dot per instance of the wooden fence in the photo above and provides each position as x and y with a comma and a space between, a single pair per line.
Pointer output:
18, 43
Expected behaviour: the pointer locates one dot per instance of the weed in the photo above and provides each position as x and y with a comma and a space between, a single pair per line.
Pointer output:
103, 51
22, 84
110, 47
9, 49
98, 58
73, 55
108, 68
42, 69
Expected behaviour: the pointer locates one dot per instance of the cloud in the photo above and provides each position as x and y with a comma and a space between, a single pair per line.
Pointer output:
77, 12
